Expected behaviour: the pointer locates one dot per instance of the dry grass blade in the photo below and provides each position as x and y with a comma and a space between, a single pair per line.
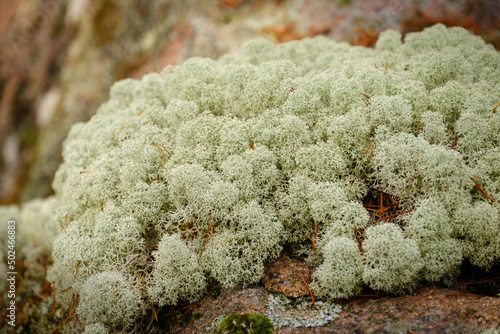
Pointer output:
161, 151
77, 266
394, 215
482, 191
125, 124
154, 312
371, 142
313, 297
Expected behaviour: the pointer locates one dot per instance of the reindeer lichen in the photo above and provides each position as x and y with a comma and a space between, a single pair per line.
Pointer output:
222, 163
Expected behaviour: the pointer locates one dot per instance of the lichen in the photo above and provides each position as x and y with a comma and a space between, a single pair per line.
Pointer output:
222, 163
300, 313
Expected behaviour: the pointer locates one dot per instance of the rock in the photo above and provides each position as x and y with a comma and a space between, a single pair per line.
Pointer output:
284, 276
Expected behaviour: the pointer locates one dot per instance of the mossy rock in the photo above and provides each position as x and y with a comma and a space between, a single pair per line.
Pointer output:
252, 323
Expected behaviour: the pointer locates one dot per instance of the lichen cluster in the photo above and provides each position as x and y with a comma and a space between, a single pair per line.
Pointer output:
208, 169
300, 313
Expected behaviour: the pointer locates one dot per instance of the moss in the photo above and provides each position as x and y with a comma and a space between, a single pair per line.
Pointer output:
185, 318
216, 291
252, 323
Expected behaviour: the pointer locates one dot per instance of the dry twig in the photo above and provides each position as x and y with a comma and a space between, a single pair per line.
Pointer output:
313, 297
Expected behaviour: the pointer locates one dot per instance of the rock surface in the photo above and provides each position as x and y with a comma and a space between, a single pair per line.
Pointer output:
285, 276
430, 309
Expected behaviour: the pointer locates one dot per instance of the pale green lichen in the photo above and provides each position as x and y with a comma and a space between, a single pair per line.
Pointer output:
391, 262
429, 225
176, 274
340, 274
110, 298
300, 313
222, 163
96, 329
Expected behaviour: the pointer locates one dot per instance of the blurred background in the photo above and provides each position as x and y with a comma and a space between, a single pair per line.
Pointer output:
59, 58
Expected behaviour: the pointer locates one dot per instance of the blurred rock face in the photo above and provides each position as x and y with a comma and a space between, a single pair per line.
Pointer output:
58, 59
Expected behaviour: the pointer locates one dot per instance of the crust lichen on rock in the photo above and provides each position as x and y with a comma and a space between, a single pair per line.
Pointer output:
209, 169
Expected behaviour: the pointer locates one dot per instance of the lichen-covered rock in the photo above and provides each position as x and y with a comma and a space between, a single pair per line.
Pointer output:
285, 312
223, 163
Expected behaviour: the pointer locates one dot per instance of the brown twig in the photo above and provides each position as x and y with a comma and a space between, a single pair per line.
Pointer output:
394, 215
482, 191
313, 297
360, 241
364, 299
380, 211
143, 283
481, 281
78, 320
154, 311
56, 330
171, 156
395, 204
371, 142
382, 203
125, 124
371, 296
359, 301
163, 155
189, 308
77, 266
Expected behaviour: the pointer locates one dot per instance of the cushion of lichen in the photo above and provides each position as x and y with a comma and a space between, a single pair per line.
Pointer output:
176, 274
112, 298
240, 156
97, 328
